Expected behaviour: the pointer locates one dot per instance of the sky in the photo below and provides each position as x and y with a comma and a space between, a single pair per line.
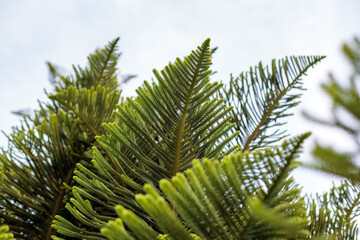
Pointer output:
152, 33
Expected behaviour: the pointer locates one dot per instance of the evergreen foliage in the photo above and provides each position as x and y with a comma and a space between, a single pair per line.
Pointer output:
343, 200
226, 200
174, 162
37, 168
346, 117
4, 233
263, 96
335, 213
159, 133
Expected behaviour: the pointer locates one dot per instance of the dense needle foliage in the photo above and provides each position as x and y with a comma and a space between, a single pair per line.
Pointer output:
186, 158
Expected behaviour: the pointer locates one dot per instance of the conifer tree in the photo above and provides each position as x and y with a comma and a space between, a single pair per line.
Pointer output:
186, 158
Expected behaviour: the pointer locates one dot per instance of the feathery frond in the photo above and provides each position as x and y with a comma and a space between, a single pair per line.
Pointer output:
334, 214
37, 169
165, 165
159, 133
92, 106
101, 70
262, 97
230, 199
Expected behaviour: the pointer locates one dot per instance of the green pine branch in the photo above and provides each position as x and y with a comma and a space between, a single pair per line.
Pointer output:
158, 134
263, 97
216, 200
38, 167
334, 213
165, 164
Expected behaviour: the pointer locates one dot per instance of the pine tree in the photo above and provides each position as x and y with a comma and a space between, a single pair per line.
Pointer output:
187, 158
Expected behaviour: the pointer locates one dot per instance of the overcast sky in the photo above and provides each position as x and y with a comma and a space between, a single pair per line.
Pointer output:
152, 33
